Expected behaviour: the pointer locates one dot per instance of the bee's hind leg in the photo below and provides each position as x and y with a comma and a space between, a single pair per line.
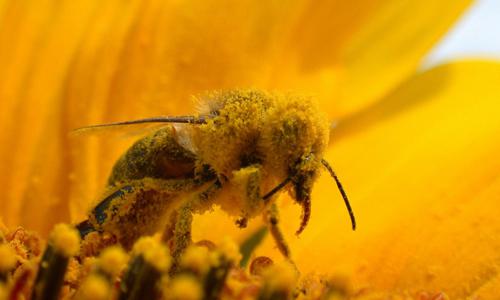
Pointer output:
177, 233
182, 231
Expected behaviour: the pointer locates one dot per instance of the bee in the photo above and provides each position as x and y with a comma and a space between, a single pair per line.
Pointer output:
239, 151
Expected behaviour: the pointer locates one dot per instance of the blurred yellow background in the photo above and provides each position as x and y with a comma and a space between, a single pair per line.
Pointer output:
417, 151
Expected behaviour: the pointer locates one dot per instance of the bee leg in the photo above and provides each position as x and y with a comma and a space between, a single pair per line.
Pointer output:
182, 231
169, 231
133, 209
246, 181
271, 217
177, 234
250, 178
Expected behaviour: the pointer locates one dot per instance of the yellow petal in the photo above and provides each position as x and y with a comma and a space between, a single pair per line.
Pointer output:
71, 63
351, 53
38, 40
424, 183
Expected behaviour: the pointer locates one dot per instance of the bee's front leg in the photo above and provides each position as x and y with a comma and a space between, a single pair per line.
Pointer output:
246, 184
271, 216
249, 179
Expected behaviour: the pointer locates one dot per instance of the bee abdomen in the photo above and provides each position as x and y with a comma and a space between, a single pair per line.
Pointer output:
131, 212
158, 155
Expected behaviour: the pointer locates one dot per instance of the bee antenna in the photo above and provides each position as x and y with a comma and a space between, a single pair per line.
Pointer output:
342, 192
161, 119
277, 188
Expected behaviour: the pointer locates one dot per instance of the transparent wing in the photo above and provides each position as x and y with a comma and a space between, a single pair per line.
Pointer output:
117, 130
138, 127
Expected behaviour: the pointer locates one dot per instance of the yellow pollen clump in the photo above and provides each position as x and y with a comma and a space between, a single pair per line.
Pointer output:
196, 258
154, 252
113, 260
143, 244
94, 287
65, 239
230, 250
184, 287
88, 265
237, 124
281, 276
3, 292
8, 258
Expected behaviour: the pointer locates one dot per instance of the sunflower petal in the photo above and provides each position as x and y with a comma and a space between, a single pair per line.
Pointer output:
352, 53
425, 186
66, 64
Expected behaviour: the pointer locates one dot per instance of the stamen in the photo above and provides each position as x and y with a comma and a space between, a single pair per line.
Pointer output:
280, 279
259, 265
228, 256
8, 261
112, 262
215, 279
146, 269
64, 243
195, 260
184, 286
94, 287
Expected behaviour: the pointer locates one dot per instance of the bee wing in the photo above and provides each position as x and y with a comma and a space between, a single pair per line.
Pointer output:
138, 127
136, 130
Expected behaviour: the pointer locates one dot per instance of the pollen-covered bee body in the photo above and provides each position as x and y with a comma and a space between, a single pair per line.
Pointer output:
255, 127
242, 148
266, 135
146, 185
136, 209
158, 155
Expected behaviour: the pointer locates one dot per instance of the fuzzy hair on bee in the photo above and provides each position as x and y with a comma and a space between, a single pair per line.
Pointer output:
239, 151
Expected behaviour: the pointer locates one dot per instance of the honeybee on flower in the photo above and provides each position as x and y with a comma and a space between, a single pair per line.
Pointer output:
242, 148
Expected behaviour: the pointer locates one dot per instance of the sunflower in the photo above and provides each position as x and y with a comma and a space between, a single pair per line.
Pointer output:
415, 149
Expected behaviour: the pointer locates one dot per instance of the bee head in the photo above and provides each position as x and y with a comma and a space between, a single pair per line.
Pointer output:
295, 141
295, 128
303, 175
302, 178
